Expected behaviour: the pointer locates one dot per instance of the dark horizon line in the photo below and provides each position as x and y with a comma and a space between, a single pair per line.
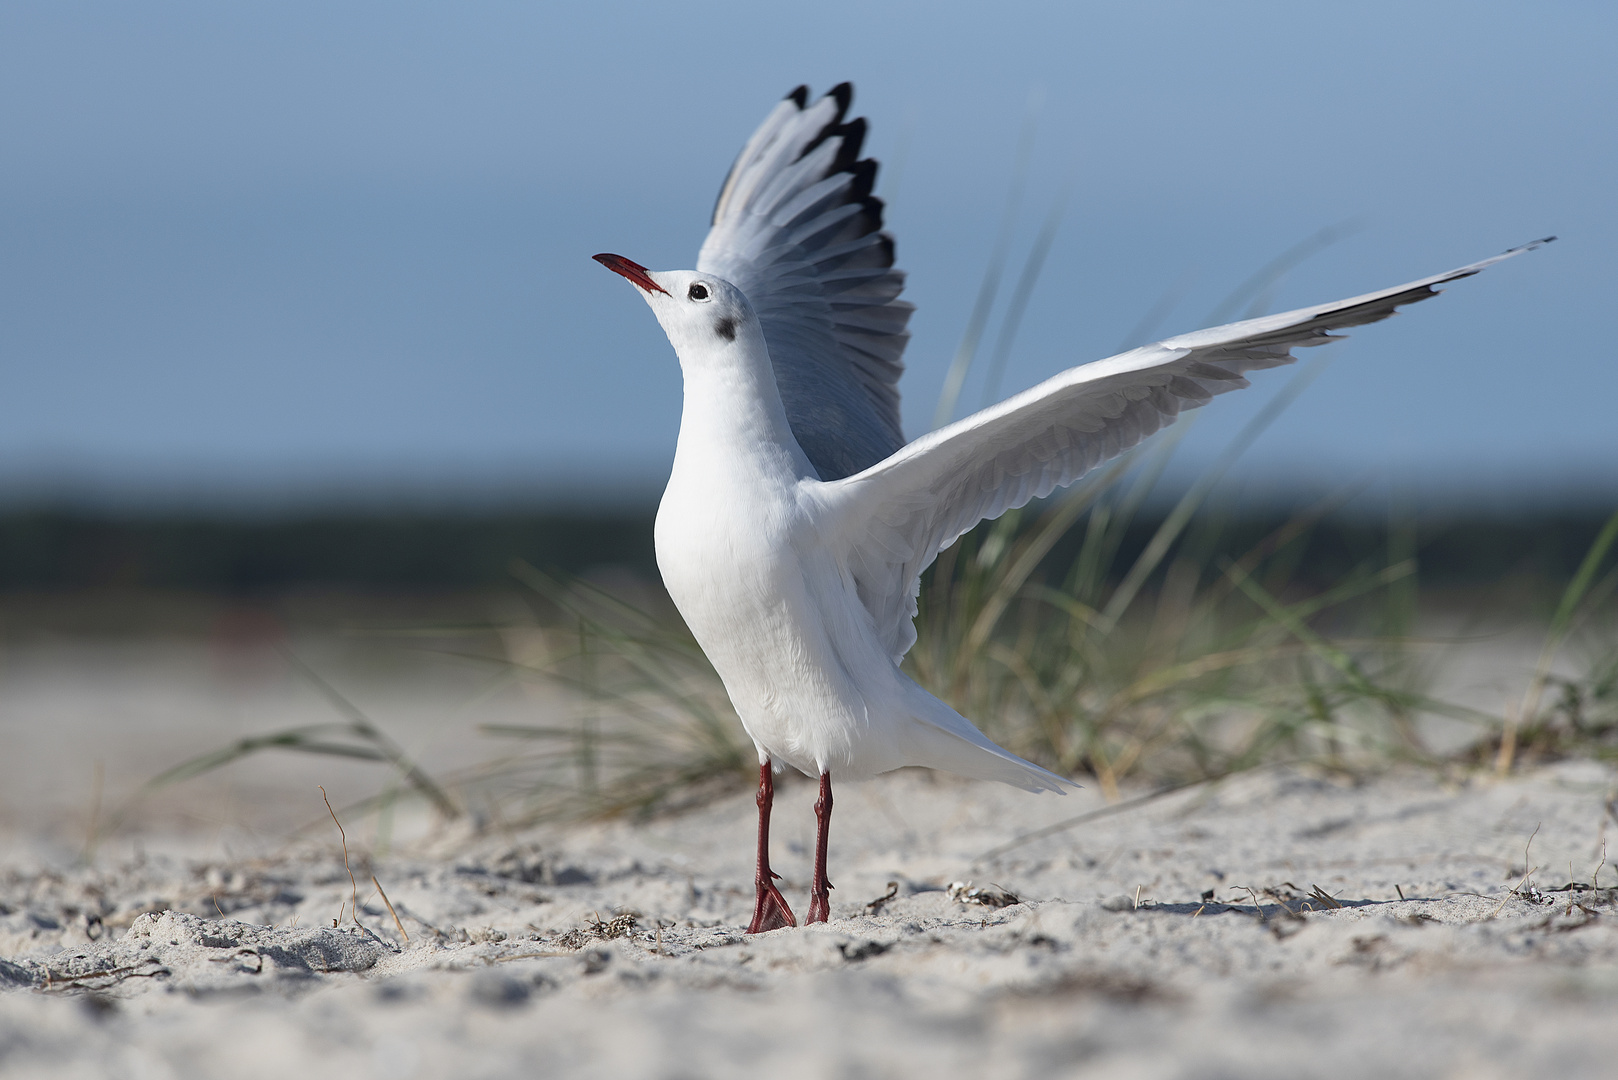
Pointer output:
348, 499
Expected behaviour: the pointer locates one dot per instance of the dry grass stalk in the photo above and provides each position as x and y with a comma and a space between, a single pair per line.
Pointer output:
354, 885
383, 893
1320, 896
1514, 891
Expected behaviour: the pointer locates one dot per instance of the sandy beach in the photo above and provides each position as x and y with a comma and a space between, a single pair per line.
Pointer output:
1282, 923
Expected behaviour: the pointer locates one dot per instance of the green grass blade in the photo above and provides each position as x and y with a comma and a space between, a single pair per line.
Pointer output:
1579, 586
298, 739
1263, 280
361, 726
1180, 516
966, 352
1020, 295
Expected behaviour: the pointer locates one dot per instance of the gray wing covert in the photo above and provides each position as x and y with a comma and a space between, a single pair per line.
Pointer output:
797, 230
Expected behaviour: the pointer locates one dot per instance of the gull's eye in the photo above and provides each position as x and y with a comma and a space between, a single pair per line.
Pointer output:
699, 291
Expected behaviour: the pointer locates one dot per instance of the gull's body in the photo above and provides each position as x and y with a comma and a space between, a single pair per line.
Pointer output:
756, 556
797, 522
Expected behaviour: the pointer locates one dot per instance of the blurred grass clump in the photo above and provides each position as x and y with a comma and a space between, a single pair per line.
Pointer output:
1177, 666
1173, 665
1180, 659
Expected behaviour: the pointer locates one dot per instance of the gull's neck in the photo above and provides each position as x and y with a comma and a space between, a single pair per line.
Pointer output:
733, 423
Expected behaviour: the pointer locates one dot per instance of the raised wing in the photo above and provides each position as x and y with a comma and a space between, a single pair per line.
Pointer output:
899, 514
797, 230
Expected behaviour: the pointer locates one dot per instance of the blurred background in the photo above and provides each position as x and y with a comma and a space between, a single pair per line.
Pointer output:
301, 345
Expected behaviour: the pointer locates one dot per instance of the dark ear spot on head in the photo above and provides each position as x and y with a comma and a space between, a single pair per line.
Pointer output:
725, 328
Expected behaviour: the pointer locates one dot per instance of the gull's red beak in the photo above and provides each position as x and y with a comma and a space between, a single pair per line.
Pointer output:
632, 270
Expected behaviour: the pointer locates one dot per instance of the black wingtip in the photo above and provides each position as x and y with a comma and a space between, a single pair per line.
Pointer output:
864, 173
885, 239
844, 93
852, 132
853, 136
852, 142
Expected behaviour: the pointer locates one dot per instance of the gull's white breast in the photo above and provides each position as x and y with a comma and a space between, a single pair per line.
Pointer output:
778, 618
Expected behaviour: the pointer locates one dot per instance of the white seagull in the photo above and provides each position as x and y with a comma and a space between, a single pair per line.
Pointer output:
797, 520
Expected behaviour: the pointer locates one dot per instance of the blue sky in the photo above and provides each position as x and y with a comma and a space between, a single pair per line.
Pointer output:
315, 250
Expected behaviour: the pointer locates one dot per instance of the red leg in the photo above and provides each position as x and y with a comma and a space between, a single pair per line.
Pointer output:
819, 900
770, 911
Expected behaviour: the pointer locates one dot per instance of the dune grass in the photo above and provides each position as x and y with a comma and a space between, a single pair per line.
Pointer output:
1126, 666
1582, 717
1172, 666
1168, 666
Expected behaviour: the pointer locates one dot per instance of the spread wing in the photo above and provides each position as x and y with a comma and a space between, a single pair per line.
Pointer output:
898, 515
797, 230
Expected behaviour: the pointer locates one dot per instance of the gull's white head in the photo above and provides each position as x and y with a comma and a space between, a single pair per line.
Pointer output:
703, 315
